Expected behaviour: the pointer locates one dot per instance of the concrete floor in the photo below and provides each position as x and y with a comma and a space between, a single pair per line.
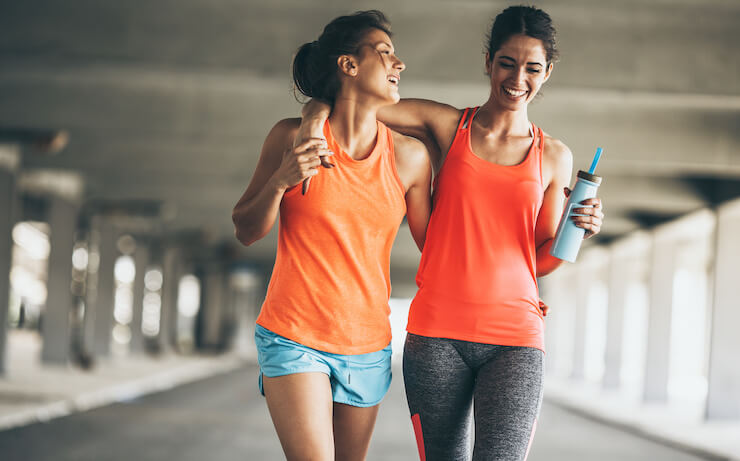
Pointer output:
224, 418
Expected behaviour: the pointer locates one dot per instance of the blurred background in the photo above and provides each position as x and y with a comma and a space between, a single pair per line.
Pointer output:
128, 130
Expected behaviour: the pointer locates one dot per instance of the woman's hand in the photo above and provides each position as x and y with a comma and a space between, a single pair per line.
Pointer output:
543, 308
301, 163
592, 217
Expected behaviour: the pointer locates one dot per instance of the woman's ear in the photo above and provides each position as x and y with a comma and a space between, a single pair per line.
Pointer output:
488, 64
347, 64
549, 71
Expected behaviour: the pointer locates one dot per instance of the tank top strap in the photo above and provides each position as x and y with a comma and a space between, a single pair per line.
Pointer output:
539, 151
462, 119
467, 118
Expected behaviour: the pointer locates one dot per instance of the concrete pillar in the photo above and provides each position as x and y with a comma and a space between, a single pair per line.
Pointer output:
581, 281
624, 268
618, 279
9, 160
213, 309
141, 260
662, 270
55, 328
168, 312
103, 322
723, 400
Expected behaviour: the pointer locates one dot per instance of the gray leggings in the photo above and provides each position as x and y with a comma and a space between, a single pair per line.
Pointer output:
444, 377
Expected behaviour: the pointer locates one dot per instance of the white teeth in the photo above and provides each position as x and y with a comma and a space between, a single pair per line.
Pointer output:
393, 80
515, 93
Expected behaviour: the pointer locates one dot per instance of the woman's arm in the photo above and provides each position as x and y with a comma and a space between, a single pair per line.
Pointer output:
280, 167
433, 123
412, 164
556, 169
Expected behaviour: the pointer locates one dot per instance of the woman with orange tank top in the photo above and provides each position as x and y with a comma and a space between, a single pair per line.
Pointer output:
476, 326
323, 334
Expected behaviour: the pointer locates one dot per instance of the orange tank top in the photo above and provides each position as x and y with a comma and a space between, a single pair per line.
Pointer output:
477, 277
331, 281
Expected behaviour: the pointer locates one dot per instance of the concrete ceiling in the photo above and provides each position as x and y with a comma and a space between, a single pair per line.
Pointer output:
171, 100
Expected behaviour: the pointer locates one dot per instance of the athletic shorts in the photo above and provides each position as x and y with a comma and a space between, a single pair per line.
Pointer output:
358, 380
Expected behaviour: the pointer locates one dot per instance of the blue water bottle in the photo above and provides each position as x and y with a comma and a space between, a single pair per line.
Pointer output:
569, 237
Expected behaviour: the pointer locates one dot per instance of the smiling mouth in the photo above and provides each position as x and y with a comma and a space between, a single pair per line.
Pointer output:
394, 79
514, 93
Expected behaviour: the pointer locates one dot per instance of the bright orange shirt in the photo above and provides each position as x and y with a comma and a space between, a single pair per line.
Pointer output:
477, 277
331, 281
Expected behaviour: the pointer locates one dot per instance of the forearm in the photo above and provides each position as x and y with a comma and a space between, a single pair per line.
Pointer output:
313, 117
546, 263
253, 218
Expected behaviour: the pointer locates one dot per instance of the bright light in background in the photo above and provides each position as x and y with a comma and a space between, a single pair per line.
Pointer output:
32, 240
188, 297
79, 258
125, 269
150, 314
27, 286
634, 339
596, 326
121, 334
153, 280
123, 310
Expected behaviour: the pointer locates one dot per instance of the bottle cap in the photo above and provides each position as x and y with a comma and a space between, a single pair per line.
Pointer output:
589, 177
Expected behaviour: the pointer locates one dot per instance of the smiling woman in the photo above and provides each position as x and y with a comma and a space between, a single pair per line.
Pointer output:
476, 329
323, 334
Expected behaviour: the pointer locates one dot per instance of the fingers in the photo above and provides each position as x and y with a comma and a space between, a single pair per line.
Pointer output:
325, 163
592, 224
566, 191
310, 143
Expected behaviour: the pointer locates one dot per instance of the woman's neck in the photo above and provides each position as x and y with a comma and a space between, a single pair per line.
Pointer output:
354, 126
502, 122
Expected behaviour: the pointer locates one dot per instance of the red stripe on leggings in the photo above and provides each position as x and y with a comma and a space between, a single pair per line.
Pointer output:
531, 438
416, 421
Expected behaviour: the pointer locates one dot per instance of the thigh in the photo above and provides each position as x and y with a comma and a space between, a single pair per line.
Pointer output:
353, 427
300, 405
508, 395
439, 388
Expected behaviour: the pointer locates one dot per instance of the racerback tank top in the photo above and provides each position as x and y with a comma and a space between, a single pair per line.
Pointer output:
477, 277
331, 281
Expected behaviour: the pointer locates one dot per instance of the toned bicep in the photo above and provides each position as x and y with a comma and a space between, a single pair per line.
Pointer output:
554, 197
415, 164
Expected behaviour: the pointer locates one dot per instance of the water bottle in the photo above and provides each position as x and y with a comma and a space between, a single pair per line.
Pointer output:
569, 237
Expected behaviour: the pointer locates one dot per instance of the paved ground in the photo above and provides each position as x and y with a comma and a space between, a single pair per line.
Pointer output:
224, 418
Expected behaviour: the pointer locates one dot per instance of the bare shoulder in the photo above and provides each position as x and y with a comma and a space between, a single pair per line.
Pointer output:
283, 132
409, 151
556, 152
557, 161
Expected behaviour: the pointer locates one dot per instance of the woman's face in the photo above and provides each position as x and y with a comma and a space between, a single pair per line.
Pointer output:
517, 71
377, 70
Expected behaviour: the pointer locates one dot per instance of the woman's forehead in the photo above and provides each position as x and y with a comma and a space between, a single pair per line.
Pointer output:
523, 46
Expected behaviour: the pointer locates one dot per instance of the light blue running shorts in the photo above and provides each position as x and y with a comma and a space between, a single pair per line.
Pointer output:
358, 380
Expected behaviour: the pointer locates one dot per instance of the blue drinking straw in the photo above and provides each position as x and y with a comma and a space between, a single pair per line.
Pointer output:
596, 161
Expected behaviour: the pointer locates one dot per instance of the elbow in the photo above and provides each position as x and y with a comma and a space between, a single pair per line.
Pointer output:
242, 233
